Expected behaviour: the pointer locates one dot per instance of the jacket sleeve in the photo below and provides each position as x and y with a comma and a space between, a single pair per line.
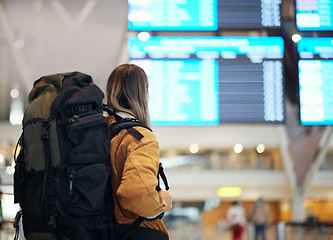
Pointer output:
137, 191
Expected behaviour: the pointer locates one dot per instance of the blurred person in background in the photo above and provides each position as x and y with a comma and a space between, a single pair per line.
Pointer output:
236, 220
259, 215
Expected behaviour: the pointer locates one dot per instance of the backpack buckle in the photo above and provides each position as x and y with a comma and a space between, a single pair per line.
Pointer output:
45, 131
80, 108
51, 225
17, 219
75, 109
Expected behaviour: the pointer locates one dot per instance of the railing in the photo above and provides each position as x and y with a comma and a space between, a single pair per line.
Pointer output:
304, 231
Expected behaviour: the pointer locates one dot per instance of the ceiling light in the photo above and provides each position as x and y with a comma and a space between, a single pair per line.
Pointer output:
260, 148
194, 148
296, 37
238, 148
19, 44
143, 36
229, 191
14, 93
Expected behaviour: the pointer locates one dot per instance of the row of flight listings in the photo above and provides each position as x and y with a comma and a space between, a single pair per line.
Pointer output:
211, 15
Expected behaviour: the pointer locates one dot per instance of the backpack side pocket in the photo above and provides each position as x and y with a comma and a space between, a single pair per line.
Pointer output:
19, 177
86, 189
90, 139
34, 204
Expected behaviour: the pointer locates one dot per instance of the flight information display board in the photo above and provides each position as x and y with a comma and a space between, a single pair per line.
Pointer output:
314, 15
172, 15
315, 75
203, 15
212, 80
248, 14
182, 92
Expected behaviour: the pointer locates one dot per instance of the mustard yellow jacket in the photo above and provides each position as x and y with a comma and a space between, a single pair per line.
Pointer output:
134, 169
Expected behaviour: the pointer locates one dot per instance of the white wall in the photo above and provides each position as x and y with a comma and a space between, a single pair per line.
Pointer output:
9, 133
223, 136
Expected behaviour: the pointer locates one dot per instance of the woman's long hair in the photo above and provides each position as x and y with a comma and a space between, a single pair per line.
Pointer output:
127, 91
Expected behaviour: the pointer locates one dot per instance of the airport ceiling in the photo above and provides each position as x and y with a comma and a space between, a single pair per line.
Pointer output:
41, 37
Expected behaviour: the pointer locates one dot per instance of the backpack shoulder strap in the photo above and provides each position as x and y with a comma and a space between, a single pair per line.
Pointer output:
127, 124
124, 123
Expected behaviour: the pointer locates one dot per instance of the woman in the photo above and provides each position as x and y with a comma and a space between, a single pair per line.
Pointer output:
134, 163
236, 220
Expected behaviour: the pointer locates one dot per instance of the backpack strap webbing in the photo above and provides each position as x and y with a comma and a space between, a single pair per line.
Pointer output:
164, 178
128, 234
16, 224
44, 136
48, 177
19, 170
111, 112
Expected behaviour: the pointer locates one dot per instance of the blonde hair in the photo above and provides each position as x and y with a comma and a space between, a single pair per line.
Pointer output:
127, 91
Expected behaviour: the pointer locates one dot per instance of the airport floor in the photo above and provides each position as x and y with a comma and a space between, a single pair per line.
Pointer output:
192, 232
214, 233
195, 232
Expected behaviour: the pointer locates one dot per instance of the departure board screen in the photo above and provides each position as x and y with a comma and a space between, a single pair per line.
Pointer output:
182, 92
248, 14
315, 74
314, 15
172, 15
203, 15
212, 80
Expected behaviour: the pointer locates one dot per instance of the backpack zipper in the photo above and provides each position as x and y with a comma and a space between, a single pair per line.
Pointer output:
71, 180
74, 119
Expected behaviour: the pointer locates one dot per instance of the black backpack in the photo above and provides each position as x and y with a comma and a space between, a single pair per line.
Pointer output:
62, 178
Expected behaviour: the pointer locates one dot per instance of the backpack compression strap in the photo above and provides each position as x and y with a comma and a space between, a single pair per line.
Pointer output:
48, 176
163, 176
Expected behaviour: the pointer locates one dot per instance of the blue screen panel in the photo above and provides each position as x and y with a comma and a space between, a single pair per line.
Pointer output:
316, 92
320, 47
248, 72
207, 47
249, 14
161, 15
315, 75
202, 15
182, 92
314, 15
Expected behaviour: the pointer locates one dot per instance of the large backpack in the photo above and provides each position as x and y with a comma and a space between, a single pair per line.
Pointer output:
62, 178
